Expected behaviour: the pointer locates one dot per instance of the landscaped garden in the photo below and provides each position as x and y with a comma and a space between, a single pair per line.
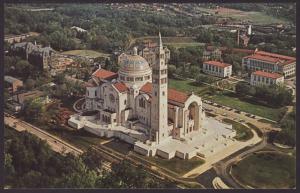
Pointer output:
187, 86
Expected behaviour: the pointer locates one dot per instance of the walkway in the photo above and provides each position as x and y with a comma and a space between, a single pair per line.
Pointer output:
209, 161
75, 105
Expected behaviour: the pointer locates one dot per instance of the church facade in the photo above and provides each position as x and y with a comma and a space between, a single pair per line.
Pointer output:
137, 106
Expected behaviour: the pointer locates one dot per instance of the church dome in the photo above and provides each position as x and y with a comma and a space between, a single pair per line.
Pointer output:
134, 69
134, 63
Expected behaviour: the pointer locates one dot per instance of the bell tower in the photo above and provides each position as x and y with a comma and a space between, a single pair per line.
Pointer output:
159, 102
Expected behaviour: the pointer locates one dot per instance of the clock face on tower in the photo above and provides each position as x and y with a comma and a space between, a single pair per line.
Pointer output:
112, 98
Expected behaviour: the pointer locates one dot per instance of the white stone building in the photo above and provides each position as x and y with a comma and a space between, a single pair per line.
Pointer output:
217, 68
266, 78
139, 108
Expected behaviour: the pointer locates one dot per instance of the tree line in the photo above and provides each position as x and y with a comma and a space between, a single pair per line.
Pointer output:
274, 95
30, 163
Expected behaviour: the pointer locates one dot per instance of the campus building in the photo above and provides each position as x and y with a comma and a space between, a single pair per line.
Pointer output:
266, 78
217, 68
270, 62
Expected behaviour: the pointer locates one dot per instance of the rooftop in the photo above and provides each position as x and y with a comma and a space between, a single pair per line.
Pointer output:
104, 74
11, 79
120, 86
272, 58
173, 95
217, 63
267, 74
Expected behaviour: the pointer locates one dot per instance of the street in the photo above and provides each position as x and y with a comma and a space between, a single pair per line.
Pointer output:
54, 142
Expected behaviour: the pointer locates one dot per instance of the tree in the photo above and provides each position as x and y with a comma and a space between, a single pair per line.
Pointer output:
9, 169
194, 71
29, 84
23, 68
243, 89
171, 70
33, 110
92, 159
60, 78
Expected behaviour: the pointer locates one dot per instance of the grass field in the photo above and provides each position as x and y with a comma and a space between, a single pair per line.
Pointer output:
266, 170
187, 86
254, 16
87, 53
256, 109
243, 133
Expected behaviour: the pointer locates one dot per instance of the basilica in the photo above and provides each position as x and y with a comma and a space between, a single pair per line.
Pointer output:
136, 105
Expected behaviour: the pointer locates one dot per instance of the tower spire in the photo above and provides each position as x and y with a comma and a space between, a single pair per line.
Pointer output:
160, 41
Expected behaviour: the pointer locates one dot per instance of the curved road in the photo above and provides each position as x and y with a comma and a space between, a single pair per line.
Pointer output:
222, 167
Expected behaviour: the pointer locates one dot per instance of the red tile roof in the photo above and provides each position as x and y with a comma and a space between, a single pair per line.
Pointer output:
281, 57
120, 86
271, 57
173, 95
263, 58
267, 74
217, 63
104, 74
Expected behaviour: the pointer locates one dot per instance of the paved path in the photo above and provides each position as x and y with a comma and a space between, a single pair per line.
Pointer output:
222, 167
209, 161
75, 105
55, 143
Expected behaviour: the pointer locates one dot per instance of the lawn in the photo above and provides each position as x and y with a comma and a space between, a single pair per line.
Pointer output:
87, 53
266, 170
187, 86
243, 133
256, 129
254, 16
242, 105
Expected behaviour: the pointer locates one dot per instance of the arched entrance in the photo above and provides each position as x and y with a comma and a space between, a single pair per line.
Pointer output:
192, 117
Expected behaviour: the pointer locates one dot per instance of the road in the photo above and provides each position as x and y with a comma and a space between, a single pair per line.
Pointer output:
109, 154
222, 167
55, 143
